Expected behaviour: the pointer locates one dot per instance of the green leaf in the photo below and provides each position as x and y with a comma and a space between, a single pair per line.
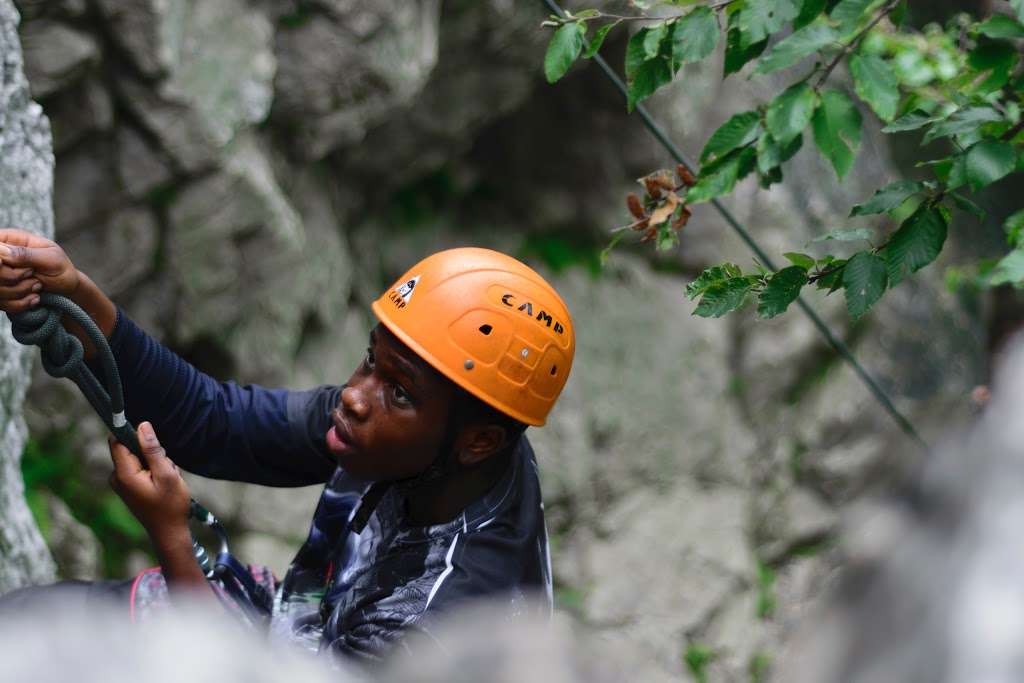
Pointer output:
782, 289
635, 53
737, 52
1000, 26
1009, 270
998, 58
797, 259
1014, 227
710, 276
739, 130
651, 76
695, 36
724, 296
653, 36
912, 121
644, 75
795, 47
849, 13
845, 235
837, 123
770, 154
564, 48
864, 282
957, 175
721, 176
598, 40
962, 122
789, 113
759, 20
888, 198
809, 11
831, 278
988, 161
967, 206
875, 83
917, 242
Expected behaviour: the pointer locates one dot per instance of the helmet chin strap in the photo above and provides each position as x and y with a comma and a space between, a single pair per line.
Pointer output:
444, 464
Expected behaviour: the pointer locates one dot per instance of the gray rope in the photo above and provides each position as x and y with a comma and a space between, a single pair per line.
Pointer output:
841, 348
63, 356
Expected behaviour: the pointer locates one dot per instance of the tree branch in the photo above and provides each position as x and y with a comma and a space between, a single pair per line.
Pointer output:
852, 45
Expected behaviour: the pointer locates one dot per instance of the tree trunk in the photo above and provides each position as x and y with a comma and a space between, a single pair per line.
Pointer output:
26, 187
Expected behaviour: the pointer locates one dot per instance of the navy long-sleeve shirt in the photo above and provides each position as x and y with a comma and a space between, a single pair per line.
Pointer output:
346, 593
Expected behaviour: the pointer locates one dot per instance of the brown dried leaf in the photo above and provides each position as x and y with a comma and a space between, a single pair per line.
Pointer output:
685, 176
649, 235
653, 189
664, 180
641, 224
665, 210
682, 219
635, 206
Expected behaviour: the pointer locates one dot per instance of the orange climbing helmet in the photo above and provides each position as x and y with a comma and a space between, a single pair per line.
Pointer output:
487, 322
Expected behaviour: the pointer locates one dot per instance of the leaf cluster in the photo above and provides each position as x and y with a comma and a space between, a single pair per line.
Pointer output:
958, 87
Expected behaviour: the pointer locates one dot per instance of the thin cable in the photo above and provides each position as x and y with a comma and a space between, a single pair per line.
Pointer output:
844, 352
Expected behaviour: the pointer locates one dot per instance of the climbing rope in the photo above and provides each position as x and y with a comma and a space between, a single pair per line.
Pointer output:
844, 352
63, 356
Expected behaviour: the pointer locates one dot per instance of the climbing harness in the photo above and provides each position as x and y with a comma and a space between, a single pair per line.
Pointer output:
63, 356
844, 352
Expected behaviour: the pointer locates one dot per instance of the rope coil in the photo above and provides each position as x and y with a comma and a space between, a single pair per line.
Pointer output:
63, 356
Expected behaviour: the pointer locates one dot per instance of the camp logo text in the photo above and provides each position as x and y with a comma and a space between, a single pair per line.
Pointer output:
400, 295
527, 308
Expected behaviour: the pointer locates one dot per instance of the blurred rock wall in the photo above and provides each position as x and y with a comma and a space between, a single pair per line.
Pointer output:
244, 176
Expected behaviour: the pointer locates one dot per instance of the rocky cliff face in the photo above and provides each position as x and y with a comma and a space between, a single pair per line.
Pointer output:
26, 185
244, 176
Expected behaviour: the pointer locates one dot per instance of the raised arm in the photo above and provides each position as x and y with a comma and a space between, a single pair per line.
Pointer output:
217, 429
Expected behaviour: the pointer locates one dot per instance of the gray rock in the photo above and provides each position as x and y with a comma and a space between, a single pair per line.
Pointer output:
140, 167
26, 185
218, 64
698, 538
78, 111
116, 253
485, 68
174, 122
56, 55
223, 65
85, 186
75, 547
250, 272
146, 30
343, 71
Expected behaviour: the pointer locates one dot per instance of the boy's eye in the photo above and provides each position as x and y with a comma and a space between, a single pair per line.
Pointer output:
369, 357
400, 395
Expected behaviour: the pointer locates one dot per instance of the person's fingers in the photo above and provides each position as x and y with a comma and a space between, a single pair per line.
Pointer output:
12, 276
44, 260
21, 290
18, 305
156, 457
126, 465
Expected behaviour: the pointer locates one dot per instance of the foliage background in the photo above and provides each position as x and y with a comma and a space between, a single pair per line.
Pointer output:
244, 177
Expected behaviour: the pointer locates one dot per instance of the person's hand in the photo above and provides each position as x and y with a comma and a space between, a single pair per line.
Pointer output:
157, 496
30, 264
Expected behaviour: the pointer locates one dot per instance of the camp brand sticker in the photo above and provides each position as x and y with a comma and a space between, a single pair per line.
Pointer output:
400, 296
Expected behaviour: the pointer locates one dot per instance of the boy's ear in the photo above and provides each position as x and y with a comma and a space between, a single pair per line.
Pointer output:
479, 442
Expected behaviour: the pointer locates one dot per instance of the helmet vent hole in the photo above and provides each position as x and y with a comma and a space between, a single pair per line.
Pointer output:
485, 329
554, 369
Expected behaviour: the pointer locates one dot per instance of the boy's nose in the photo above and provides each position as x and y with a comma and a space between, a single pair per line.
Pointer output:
354, 402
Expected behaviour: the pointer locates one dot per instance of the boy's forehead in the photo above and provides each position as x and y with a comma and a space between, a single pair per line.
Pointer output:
405, 356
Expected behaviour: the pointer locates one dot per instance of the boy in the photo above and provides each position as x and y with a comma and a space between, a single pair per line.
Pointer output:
472, 347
